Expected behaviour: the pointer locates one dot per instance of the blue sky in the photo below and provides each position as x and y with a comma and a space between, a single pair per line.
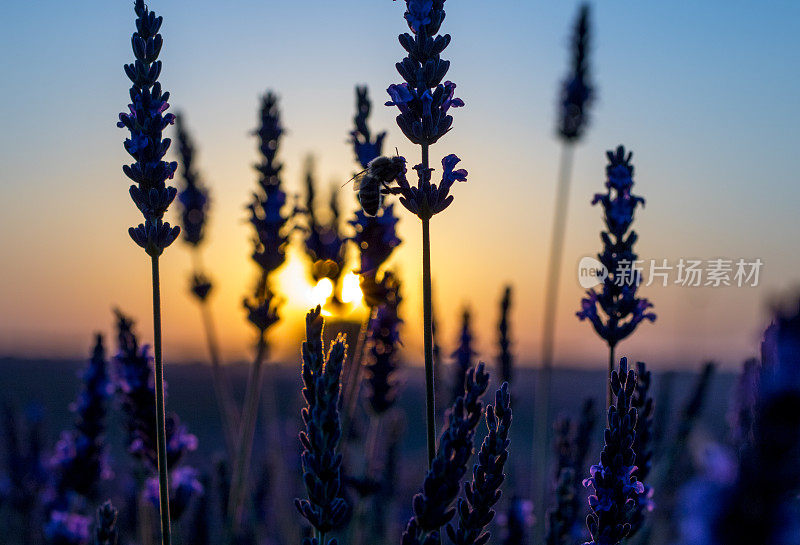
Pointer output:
704, 93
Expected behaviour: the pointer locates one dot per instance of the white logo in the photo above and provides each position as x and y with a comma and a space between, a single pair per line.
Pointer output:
591, 272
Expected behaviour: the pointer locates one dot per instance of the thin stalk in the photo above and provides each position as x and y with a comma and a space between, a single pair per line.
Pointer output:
356, 534
229, 412
227, 405
427, 314
609, 393
541, 430
161, 437
246, 436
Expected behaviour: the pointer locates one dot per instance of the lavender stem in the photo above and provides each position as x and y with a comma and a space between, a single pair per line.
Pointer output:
427, 313
163, 478
246, 436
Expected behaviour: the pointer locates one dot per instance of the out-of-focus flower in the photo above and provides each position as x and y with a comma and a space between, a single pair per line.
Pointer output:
193, 196
576, 90
67, 529
79, 461
184, 484
383, 339
462, 356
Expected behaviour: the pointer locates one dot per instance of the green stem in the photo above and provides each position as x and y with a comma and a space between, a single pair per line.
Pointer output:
161, 437
246, 436
427, 317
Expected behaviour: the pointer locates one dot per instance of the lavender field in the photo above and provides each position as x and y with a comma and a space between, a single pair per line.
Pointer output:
405, 313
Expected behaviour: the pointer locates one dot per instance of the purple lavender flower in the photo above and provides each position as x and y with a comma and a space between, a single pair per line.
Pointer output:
516, 521
135, 386
375, 236
267, 209
427, 199
433, 505
381, 349
67, 529
424, 102
325, 508
193, 196
366, 148
105, 530
617, 300
79, 462
576, 91
761, 506
475, 511
463, 356
184, 485
146, 123
616, 488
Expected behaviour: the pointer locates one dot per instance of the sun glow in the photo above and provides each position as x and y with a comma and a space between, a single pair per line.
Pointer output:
295, 284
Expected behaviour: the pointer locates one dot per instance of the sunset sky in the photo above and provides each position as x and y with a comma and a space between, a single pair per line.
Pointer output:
704, 93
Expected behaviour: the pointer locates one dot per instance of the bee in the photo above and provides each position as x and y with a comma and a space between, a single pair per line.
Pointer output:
375, 181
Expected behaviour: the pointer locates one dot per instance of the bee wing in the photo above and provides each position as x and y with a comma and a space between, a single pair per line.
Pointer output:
357, 179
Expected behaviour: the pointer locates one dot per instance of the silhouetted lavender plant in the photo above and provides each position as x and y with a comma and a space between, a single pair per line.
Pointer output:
615, 486
325, 509
424, 102
433, 505
365, 147
505, 359
193, 198
575, 97
105, 530
475, 512
642, 445
762, 505
269, 217
617, 300
376, 238
382, 341
324, 242
79, 462
462, 356
152, 196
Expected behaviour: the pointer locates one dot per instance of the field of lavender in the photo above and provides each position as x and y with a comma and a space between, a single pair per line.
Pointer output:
460, 450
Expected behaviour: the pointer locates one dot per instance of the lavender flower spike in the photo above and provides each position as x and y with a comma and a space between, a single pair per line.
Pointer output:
433, 505
623, 310
366, 148
576, 91
383, 338
462, 356
193, 196
80, 460
615, 486
475, 512
424, 102
146, 123
325, 508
